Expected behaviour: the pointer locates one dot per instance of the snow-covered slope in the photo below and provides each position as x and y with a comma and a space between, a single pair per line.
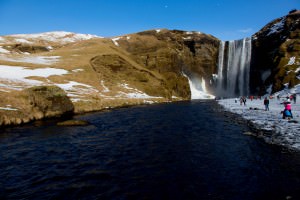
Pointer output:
56, 36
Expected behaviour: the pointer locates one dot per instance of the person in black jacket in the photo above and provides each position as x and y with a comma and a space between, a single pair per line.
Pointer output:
266, 103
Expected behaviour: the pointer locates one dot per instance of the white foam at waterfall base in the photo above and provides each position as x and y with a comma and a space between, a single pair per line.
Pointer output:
198, 90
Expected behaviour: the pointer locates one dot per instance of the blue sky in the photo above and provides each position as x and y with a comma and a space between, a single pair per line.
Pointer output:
225, 19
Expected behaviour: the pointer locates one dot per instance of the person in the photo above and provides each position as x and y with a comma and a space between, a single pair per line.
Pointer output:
287, 112
241, 100
266, 103
244, 101
294, 97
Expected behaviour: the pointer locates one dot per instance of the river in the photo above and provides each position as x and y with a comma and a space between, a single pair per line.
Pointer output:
184, 150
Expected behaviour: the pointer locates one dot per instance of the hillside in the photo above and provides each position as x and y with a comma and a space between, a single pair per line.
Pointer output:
99, 73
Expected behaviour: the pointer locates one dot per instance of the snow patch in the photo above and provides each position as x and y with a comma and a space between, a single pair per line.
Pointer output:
77, 70
71, 85
76, 91
44, 60
158, 30
292, 61
56, 36
115, 41
105, 89
187, 38
133, 93
8, 108
20, 74
276, 27
20, 40
2, 50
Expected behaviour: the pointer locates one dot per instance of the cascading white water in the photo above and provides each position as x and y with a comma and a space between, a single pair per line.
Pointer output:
220, 66
198, 88
234, 68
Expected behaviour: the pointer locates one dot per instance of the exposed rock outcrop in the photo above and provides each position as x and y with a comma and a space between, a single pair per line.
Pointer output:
276, 53
37, 103
49, 101
172, 53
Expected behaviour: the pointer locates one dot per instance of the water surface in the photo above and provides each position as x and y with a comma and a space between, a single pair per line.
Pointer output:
186, 150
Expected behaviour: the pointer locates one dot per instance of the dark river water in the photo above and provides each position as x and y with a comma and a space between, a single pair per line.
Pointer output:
186, 150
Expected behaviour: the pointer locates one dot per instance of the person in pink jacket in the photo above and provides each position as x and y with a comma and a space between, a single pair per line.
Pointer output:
287, 109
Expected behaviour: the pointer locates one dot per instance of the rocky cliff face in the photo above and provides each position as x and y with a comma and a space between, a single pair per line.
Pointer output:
276, 55
172, 53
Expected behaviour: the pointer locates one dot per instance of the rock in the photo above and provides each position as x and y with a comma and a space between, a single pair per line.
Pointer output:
272, 48
293, 121
249, 133
73, 122
29, 48
49, 101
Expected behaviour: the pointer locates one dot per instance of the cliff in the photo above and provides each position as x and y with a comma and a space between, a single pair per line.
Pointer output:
276, 55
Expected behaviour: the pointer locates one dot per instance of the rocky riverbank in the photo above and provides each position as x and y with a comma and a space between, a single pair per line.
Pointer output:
269, 125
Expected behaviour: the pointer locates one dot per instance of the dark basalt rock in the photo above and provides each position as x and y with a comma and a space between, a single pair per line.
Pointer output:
73, 122
272, 48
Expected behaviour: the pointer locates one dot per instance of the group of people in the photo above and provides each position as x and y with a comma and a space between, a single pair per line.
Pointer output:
292, 97
286, 113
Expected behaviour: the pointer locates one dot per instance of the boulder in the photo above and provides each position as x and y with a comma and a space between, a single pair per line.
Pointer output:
49, 101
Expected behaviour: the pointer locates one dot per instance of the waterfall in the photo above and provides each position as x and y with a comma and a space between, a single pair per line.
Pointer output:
234, 68
198, 88
220, 66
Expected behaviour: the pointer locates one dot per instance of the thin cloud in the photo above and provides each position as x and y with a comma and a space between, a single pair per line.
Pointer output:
247, 30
